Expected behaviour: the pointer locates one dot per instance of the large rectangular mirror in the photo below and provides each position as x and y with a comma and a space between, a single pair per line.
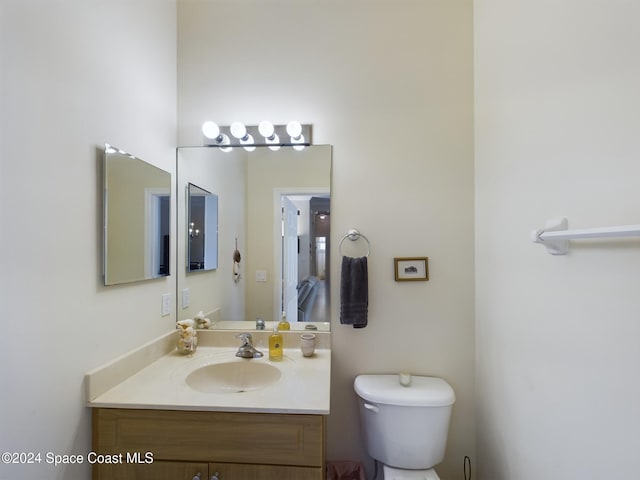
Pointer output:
137, 224
274, 217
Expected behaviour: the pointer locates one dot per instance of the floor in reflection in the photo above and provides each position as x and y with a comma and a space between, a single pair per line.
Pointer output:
320, 311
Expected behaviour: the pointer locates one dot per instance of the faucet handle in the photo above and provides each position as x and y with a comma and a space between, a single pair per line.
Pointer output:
246, 338
247, 350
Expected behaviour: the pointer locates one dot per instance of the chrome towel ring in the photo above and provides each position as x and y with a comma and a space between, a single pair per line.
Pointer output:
354, 235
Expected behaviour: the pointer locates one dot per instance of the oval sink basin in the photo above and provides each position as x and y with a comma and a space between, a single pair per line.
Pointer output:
233, 377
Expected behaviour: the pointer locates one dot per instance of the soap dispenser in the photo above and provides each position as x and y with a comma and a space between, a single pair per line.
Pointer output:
275, 345
284, 324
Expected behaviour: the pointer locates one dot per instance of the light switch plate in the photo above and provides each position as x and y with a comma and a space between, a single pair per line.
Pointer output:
261, 275
186, 298
166, 304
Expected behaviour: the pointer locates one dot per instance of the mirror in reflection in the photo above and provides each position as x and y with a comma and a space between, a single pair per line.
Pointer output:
274, 210
137, 205
202, 229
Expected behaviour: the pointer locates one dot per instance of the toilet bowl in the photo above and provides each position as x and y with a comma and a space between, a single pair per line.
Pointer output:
390, 473
405, 427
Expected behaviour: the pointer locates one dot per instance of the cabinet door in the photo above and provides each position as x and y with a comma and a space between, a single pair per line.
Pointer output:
157, 470
237, 471
192, 436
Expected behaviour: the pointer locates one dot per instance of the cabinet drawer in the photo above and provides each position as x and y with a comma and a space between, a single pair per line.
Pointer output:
232, 471
254, 438
152, 471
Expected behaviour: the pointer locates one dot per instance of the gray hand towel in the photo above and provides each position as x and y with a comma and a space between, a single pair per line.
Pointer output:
354, 292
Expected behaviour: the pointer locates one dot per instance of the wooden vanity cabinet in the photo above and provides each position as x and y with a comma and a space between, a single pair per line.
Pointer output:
158, 470
181, 444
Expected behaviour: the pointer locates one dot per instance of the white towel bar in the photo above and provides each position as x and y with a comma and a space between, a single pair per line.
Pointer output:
555, 235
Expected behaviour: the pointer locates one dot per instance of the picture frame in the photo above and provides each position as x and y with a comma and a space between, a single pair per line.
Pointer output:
411, 269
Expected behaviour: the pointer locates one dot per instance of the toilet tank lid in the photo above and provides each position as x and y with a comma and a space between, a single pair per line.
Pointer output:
423, 391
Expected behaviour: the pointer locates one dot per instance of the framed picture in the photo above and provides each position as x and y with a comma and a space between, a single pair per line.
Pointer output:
411, 269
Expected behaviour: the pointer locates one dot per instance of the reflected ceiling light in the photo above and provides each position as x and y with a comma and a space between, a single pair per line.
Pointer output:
298, 142
294, 129
275, 147
248, 144
193, 231
266, 134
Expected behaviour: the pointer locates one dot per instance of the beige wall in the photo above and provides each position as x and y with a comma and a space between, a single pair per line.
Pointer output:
74, 75
127, 238
223, 174
266, 172
557, 337
389, 85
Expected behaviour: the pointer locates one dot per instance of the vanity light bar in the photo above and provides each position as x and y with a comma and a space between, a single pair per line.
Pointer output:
266, 134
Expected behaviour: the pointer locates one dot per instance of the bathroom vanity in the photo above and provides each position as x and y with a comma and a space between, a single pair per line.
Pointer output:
155, 418
228, 445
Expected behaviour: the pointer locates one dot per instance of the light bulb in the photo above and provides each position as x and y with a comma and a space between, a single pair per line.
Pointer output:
238, 130
210, 130
273, 142
266, 129
223, 142
294, 129
248, 142
297, 141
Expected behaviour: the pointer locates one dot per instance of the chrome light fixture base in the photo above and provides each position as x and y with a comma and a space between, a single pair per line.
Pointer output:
293, 134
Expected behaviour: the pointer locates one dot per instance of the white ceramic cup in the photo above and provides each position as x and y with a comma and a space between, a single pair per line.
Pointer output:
307, 344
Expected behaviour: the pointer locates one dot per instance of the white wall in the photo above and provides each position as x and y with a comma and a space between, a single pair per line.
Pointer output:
74, 74
389, 84
557, 133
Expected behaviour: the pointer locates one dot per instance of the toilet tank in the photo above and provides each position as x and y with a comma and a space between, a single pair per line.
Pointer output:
405, 427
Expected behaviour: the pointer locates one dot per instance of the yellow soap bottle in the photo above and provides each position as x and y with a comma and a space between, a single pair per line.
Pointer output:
275, 345
284, 324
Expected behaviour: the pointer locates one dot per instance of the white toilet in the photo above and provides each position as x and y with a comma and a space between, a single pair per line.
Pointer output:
405, 427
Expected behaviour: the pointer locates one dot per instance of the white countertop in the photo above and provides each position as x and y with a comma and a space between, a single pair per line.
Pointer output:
304, 385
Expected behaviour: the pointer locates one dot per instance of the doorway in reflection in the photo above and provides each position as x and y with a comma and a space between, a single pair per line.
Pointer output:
305, 225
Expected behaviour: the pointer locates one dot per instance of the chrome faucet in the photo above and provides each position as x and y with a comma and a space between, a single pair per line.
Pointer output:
247, 350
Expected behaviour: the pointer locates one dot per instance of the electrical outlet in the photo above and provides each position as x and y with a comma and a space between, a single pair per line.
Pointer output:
166, 304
